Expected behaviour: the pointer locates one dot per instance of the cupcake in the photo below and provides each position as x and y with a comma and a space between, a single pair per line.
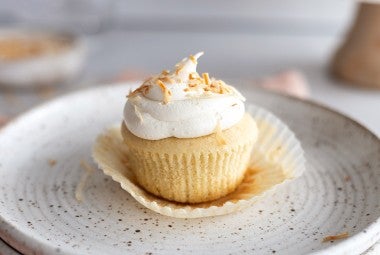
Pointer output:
189, 137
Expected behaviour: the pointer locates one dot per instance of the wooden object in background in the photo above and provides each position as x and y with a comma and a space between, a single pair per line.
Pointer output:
358, 59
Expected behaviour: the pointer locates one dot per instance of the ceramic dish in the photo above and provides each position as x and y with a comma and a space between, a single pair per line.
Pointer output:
44, 68
6, 249
40, 169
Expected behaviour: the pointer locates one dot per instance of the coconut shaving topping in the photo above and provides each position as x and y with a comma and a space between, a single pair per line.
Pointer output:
182, 103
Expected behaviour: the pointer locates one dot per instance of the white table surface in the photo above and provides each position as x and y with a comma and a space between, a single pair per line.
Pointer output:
235, 57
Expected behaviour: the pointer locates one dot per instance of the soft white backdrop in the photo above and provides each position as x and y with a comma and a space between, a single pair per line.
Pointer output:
258, 16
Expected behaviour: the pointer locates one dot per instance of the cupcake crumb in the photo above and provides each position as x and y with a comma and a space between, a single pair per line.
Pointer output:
82, 182
335, 237
52, 162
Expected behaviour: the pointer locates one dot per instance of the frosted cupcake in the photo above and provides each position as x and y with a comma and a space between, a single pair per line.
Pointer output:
188, 135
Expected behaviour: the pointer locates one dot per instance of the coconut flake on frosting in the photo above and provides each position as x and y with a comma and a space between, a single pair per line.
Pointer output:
185, 73
183, 104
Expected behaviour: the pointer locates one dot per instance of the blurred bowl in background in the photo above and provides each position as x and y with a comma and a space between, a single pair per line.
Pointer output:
39, 58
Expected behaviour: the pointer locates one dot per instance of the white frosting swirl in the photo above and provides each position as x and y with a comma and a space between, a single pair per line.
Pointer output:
191, 111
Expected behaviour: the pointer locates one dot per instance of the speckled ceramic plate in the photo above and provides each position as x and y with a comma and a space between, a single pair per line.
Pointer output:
5, 249
40, 155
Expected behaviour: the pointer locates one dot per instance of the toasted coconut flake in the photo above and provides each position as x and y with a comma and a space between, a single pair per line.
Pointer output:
193, 59
165, 72
82, 182
161, 85
165, 90
219, 135
193, 84
52, 162
144, 89
214, 84
335, 237
206, 78
167, 80
132, 94
195, 81
193, 76
217, 86
178, 70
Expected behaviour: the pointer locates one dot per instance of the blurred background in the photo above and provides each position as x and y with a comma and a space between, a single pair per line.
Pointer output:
286, 46
150, 34
246, 16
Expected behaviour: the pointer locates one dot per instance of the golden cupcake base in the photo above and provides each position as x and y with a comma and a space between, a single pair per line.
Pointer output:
192, 170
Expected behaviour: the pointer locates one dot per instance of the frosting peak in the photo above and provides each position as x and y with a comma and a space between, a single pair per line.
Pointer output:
181, 103
187, 66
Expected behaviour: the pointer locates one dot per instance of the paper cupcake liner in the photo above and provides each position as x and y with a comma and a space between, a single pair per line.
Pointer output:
277, 158
157, 177
192, 170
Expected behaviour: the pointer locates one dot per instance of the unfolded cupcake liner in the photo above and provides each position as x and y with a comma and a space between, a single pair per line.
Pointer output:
276, 159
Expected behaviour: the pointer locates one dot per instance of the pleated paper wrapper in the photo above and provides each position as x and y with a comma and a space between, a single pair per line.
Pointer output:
193, 170
277, 158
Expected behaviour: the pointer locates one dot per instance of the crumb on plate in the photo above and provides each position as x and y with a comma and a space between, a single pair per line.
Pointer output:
52, 162
82, 182
335, 237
